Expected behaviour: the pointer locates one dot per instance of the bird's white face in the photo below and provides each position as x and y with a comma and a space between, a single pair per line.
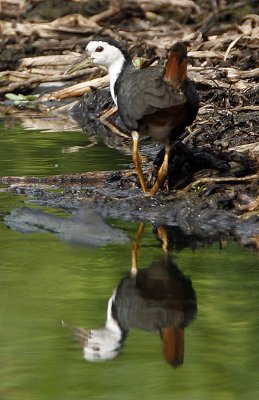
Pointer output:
103, 53
102, 344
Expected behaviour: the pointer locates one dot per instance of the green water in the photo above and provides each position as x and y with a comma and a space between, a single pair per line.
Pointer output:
40, 153
44, 281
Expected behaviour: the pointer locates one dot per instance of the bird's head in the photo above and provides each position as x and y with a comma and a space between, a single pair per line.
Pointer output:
98, 344
105, 52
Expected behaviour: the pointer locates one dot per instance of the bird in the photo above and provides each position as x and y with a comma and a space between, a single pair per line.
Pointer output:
155, 101
159, 299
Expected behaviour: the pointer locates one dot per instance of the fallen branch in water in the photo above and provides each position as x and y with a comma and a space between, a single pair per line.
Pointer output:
97, 178
29, 81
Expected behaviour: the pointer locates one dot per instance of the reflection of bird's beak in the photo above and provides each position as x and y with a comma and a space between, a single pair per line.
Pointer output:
82, 62
81, 334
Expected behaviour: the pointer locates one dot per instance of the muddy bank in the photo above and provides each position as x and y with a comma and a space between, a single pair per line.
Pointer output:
195, 218
220, 142
213, 177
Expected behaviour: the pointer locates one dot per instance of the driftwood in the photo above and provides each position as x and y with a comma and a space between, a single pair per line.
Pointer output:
97, 179
216, 47
78, 89
168, 4
72, 24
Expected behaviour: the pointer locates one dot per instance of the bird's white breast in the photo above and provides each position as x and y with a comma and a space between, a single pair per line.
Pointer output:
114, 71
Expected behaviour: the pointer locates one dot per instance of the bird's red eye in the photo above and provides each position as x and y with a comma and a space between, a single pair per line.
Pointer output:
99, 49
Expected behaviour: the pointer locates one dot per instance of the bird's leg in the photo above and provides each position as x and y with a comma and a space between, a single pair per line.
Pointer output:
137, 161
163, 171
162, 234
134, 259
135, 249
139, 231
104, 120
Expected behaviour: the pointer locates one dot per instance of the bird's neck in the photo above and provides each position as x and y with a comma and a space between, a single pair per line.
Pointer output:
115, 70
111, 323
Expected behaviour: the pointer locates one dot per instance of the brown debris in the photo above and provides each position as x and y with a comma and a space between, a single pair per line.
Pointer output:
12, 8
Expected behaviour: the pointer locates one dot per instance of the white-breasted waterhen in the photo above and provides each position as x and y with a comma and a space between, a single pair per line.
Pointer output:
158, 299
155, 101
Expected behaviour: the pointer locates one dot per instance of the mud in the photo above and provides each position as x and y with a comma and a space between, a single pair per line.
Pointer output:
212, 189
191, 219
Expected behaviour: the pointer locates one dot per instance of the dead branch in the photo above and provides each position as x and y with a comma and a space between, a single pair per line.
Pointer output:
97, 178
77, 90
226, 179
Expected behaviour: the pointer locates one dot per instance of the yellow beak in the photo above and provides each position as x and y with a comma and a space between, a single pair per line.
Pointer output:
81, 63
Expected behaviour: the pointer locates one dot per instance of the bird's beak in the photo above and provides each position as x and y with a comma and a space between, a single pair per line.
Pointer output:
81, 63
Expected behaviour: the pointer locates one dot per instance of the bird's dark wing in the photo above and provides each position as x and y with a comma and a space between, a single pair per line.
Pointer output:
143, 92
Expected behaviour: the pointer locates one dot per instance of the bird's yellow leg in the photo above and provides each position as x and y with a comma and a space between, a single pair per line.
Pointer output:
162, 173
137, 161
134, 259
135, 250
105, 121
162, 234
139, 231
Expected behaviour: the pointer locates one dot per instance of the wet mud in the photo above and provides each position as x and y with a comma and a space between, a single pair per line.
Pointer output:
212, 188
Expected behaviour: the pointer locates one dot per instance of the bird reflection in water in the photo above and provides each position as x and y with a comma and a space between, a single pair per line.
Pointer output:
158, 298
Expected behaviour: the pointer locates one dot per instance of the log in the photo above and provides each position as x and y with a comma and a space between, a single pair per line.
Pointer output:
77, 90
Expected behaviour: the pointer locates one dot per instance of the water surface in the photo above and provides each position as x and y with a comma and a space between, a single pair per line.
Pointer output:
44, 281
43, 152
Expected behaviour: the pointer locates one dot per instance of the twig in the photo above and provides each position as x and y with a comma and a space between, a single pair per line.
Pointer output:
227, 179
110, 12
232, 44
